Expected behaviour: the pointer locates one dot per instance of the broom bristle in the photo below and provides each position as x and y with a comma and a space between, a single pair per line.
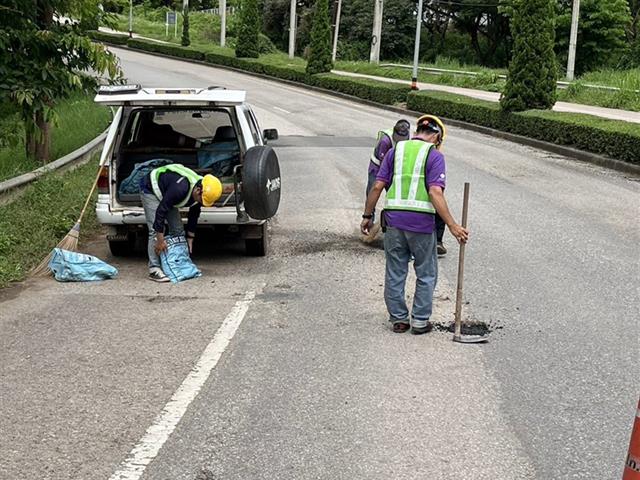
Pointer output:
69, 242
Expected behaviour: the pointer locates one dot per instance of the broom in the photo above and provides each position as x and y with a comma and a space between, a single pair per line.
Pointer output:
70, 240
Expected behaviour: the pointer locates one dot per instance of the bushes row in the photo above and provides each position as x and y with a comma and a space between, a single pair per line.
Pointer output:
616, 139
108, 37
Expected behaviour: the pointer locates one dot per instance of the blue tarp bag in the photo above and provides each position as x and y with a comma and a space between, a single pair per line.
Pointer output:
131, 184
176, 262
70, 266
220, 157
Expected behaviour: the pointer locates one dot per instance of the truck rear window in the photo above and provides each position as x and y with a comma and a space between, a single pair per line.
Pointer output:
178, 128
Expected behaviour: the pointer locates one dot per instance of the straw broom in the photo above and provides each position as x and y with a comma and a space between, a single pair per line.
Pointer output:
70, 240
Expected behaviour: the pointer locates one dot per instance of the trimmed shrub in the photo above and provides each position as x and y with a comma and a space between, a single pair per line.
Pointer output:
185, 41
248, 31
320, 46
166, 48
616, 139
531, 82
108, 37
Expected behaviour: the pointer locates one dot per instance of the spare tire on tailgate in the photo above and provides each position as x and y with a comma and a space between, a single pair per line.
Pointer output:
261, 182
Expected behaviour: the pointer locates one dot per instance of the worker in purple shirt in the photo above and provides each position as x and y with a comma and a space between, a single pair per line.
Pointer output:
414, 174
385, 141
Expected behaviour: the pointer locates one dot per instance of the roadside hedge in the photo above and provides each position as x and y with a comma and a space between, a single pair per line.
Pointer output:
108, 37
616, 139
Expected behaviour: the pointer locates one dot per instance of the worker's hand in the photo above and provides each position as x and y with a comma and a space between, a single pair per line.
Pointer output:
190, 245
366, 225
161, 245
460, 233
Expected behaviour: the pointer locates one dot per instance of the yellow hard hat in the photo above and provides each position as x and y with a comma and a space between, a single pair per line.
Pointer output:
211, 190
436, 124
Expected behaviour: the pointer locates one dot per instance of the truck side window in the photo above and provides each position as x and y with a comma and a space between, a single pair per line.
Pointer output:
257, 139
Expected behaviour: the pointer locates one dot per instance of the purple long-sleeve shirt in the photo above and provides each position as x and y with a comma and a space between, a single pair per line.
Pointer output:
383, 146
436, 176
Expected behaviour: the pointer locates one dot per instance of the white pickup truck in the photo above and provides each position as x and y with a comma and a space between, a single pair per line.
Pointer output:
210, 130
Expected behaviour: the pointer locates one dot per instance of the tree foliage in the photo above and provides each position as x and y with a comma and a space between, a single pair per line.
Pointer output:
602, 33
43, 61
320, 46
531, 81
248, 30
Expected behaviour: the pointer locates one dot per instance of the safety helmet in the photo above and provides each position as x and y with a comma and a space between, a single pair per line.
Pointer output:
211, 190
434, 124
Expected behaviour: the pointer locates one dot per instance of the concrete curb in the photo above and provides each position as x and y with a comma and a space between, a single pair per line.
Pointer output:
581, 155
77, 157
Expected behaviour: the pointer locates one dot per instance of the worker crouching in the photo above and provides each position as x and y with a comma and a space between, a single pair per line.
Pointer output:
164, 191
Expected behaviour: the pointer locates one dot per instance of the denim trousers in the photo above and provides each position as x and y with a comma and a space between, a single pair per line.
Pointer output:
150, 203
399, 245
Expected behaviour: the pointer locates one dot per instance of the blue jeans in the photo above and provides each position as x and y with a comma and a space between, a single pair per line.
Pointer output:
399, 245
150, 203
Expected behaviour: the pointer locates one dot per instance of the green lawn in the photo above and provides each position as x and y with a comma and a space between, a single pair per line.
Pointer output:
80, 120
35, 222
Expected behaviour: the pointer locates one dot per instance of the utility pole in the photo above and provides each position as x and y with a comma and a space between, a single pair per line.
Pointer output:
416, 48
377, 32
336, 31
130, 18
292, 29
222, 5
573, 40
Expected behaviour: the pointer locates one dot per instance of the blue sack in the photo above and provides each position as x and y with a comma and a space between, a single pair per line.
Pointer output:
131, 184
176, 262
220, 157
70, 266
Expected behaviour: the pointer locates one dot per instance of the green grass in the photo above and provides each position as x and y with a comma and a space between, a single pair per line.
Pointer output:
35, 222
627, 98
80, 120
486, 80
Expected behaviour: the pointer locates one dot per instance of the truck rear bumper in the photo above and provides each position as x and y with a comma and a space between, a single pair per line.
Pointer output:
135, 216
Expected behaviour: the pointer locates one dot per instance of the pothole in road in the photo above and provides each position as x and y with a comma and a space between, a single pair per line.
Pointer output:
306, 243
467, 328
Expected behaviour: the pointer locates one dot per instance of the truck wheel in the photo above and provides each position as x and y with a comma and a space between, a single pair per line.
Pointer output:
261, 182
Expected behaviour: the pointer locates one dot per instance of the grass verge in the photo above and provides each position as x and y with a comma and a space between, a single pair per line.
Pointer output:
35, 222
80, 121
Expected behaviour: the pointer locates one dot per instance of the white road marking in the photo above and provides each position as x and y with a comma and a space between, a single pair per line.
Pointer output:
165, 423
282, 110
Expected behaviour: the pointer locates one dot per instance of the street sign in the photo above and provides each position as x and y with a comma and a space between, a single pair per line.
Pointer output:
171, 19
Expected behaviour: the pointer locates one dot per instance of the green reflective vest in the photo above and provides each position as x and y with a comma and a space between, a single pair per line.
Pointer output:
408, 189
389, 133
192, 177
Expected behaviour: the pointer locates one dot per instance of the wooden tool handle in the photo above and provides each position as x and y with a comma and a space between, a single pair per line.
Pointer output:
458, 315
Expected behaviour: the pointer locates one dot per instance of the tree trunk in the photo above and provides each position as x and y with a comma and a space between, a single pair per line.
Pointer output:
30, 141
42, 139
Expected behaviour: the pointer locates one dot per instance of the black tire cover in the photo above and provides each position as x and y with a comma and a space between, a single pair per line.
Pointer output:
261, 182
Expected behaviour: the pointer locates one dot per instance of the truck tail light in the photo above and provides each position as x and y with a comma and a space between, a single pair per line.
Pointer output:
103, 180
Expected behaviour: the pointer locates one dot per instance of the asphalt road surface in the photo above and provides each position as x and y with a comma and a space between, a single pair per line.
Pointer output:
303, 380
